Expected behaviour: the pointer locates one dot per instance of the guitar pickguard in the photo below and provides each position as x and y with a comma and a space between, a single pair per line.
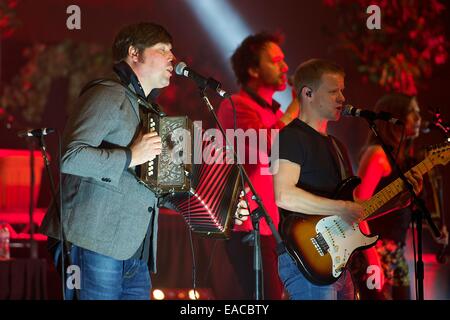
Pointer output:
341, 240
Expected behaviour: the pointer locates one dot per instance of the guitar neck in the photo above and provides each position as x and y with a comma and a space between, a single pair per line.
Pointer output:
393, 189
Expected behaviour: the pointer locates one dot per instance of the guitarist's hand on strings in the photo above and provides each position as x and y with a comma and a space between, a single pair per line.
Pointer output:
350, 211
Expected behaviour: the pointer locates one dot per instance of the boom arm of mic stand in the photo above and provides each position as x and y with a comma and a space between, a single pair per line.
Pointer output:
256, 197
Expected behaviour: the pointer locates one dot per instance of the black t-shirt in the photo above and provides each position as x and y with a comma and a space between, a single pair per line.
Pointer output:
320, 166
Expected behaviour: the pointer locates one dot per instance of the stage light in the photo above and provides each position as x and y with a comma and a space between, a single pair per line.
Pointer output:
224, 25
158, 294
182, 294
194, 294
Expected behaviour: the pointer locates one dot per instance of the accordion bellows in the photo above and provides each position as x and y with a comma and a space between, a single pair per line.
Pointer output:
205, 192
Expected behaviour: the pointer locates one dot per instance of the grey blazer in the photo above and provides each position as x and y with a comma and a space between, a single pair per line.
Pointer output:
105, 208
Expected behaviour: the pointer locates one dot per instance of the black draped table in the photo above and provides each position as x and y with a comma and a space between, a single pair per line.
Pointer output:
23, 279
175, 257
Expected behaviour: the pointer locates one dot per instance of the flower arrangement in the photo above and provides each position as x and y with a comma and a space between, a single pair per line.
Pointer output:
400, 55
8, 18
78, 62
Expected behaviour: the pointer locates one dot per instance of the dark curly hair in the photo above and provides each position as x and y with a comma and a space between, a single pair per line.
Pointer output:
247, 55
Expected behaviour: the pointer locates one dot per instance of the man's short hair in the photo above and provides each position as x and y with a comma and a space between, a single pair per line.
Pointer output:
248, 54
141, 36
309, 74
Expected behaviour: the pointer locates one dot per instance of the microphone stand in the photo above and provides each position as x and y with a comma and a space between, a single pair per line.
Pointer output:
437, 182
66, 250
419, 212
256, 215
33, 247
47, 166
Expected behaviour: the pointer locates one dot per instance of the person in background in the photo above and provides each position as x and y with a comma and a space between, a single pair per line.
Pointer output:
376, 172
261, 71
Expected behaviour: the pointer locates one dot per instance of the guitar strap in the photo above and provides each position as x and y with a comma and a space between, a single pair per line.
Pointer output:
345, 171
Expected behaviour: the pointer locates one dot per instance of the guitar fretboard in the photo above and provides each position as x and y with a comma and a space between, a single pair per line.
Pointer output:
394, 188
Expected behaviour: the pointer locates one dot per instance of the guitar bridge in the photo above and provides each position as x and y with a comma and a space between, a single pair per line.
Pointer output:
320, 244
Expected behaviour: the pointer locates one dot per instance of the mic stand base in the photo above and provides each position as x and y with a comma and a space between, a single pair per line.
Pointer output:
420, 270
257, 261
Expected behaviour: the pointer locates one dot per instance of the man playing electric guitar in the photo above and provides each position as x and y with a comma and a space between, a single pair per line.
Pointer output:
310, 167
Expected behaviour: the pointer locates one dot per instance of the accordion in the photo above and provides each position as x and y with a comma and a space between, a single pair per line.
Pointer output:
192, 176
170, 171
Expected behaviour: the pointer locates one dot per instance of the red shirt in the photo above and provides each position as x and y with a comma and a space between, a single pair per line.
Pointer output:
251, 115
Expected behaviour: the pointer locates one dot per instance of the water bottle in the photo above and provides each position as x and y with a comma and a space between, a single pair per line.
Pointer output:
4, 242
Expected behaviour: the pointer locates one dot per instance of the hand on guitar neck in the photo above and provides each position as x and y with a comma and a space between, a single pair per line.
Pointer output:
402, 200
349, 211
416, 179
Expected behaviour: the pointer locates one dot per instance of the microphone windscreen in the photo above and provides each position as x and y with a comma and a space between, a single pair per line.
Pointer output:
347, 110
425, 127
179, 68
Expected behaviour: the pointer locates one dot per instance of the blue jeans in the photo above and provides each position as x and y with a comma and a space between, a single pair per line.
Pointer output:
300, 288
105, 278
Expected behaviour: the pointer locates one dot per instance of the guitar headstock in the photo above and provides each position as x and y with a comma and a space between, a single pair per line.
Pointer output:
439, 154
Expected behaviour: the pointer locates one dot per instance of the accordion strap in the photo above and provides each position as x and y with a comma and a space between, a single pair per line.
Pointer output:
153, 107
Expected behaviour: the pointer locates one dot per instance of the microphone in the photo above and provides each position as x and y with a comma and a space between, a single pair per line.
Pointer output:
182, 69
426, 126
350, 110
36, 132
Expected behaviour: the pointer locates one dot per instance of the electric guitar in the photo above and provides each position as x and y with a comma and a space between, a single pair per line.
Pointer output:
322, 245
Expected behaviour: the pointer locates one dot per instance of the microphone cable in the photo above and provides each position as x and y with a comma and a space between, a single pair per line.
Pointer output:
188, 220
61, 228
191, 244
